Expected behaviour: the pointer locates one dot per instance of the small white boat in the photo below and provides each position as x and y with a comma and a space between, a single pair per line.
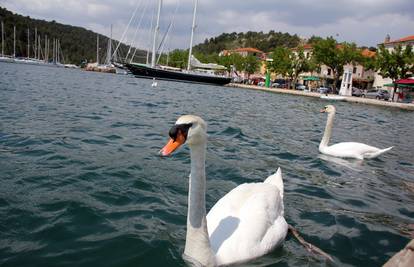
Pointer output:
333, 97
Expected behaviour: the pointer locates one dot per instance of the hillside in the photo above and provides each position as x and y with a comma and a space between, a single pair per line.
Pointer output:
262, 41
77, 43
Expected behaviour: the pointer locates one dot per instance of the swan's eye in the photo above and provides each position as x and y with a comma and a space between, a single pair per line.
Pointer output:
179, 128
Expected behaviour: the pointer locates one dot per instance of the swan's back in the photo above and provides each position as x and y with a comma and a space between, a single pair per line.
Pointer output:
353, 150
247, 222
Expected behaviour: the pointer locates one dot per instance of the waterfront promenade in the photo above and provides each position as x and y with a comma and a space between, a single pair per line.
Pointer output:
352, 99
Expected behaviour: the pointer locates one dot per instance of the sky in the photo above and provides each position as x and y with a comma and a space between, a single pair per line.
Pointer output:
365, 22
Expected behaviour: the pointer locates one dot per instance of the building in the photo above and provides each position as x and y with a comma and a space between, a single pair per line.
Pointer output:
390, 45
362, 78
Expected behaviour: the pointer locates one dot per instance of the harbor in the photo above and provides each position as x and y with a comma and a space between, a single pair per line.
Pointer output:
206, 133
350, 99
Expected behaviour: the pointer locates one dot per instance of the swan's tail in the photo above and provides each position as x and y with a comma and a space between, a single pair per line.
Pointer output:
276, 179
377, 153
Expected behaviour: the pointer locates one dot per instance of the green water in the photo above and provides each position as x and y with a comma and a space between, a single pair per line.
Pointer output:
82, 184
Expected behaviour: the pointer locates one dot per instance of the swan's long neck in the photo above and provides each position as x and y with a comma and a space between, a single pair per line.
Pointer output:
197, 246
328, 130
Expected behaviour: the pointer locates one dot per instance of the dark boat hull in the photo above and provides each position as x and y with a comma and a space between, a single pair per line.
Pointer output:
148, 72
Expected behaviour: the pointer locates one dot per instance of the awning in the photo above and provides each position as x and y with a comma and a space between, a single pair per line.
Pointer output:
311, 78
405, 81
400, 85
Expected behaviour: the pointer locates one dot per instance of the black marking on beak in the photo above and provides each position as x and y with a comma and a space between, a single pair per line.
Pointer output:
183, 128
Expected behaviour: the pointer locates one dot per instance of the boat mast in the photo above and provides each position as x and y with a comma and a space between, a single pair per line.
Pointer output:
14, 41
2, 38
192, 35
38, 47
35, 43
109, 50
46, 51
97, 48
28, 43
157, 28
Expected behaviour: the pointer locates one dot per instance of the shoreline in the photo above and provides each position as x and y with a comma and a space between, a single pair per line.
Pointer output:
351, 99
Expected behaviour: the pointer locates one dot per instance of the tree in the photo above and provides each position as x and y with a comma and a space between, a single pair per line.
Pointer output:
281, 61
335, 56
250, 64
396, 64
177, 58
290, 64
235, 60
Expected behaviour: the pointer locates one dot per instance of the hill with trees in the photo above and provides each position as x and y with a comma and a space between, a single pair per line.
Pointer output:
77, 44
265, 42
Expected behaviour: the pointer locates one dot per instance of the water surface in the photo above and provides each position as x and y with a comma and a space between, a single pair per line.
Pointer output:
82, 184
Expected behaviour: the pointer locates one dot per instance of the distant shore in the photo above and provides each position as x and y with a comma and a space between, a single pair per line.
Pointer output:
351, 99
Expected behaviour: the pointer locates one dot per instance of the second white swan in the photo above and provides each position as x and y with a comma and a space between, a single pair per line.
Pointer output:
345, 149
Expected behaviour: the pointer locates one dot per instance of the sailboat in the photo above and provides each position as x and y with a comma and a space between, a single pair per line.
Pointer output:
107, 67
3, 57
168, 73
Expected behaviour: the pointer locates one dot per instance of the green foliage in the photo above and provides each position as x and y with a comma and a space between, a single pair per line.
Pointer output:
250, 64
369, 63
290, 64
235, 60
396, 64
314, 39
328, 52
176, 58
281, 63
263, 41
77, 43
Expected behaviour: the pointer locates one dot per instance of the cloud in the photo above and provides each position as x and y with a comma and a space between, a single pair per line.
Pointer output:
365, 22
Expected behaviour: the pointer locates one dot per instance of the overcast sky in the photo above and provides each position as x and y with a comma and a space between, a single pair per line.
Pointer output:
365, 22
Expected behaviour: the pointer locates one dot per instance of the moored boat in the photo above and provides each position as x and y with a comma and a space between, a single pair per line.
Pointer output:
145, 71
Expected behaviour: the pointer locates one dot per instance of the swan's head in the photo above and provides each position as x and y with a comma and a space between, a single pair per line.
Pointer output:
188, 129
328, 109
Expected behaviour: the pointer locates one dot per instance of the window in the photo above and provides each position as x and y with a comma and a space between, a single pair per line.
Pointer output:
354, 70
329, 71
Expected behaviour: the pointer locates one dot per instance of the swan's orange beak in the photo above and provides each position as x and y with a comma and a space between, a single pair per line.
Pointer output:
172, 145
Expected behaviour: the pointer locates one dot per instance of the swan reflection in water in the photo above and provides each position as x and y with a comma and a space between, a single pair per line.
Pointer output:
353, 164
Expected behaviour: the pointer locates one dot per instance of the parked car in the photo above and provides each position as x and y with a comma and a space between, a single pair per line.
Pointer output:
300, 86
377, 94
356, 92
275, 85
324, 90
261, 83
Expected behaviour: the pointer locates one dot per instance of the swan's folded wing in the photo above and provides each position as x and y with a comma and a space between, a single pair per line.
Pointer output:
242, 224
350, 149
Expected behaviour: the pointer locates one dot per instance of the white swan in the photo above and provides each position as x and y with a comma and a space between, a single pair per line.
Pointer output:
154, 83
245, 224
345, 149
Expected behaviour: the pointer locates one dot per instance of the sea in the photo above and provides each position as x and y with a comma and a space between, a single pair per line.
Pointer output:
82, 183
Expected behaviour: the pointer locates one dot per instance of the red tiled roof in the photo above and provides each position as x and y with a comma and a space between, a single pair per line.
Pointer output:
367, 53
401, 40
248, 49
307, 46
